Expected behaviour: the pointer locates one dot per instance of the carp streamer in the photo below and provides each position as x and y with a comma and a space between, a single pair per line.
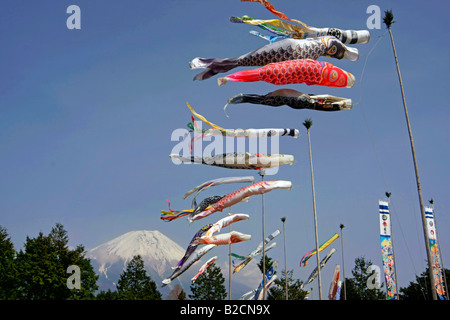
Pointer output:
283, 50
310, 72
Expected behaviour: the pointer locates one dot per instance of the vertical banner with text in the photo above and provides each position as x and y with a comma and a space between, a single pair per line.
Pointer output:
435, 258
387, 253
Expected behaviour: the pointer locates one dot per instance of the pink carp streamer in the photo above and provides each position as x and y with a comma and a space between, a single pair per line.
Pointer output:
224, 238
245, 192
204, 267
308, 71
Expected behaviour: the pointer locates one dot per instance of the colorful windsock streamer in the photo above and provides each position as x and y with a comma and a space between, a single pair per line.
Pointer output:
245, 260
315, 272
175, 214
323, 246
215, 130
302, 30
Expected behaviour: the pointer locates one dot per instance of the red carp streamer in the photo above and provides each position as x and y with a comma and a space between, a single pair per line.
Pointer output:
306, 71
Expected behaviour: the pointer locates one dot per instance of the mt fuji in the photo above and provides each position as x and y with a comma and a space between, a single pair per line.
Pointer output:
159, 254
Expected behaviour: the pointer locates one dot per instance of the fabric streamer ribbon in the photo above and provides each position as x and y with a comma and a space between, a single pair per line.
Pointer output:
310, 72
204, 205
254, 253
304, 30
315, 272
323, 246
234, 133
175, 214
283, 50
295, 100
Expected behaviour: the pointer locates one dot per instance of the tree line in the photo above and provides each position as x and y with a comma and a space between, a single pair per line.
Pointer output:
39, 271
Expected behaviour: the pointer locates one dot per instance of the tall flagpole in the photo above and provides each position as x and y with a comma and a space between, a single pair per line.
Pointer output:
262, 173
308, 123
343, 265
285, 270
229, 267
388, 20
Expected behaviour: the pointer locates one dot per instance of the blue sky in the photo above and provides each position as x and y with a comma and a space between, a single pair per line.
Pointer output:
86, 118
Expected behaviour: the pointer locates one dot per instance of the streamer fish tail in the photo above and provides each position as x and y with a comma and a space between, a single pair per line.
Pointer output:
214, 66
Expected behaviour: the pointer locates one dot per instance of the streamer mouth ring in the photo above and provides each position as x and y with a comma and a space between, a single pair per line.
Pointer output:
351, 54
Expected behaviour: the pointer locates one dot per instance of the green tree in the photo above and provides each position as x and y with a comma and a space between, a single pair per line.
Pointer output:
42, 268
8, 271
135, 284
420, 289
107, 295
209, 285
268, 263
357, 288
295, 292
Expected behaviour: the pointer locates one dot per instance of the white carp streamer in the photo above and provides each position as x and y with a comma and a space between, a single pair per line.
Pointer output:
225, 238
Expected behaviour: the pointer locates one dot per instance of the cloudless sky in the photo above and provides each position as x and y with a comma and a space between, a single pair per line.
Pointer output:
86, 118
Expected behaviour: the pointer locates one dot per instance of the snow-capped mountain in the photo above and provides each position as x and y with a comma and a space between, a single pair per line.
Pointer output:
157, 251
159, 254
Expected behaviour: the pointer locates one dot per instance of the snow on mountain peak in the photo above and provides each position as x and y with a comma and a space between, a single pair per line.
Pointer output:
158, 251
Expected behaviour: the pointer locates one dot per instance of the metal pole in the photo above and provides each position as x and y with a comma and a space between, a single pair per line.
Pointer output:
285, 263
229, 267
343, 265
262, 173
315, 218
419, 189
